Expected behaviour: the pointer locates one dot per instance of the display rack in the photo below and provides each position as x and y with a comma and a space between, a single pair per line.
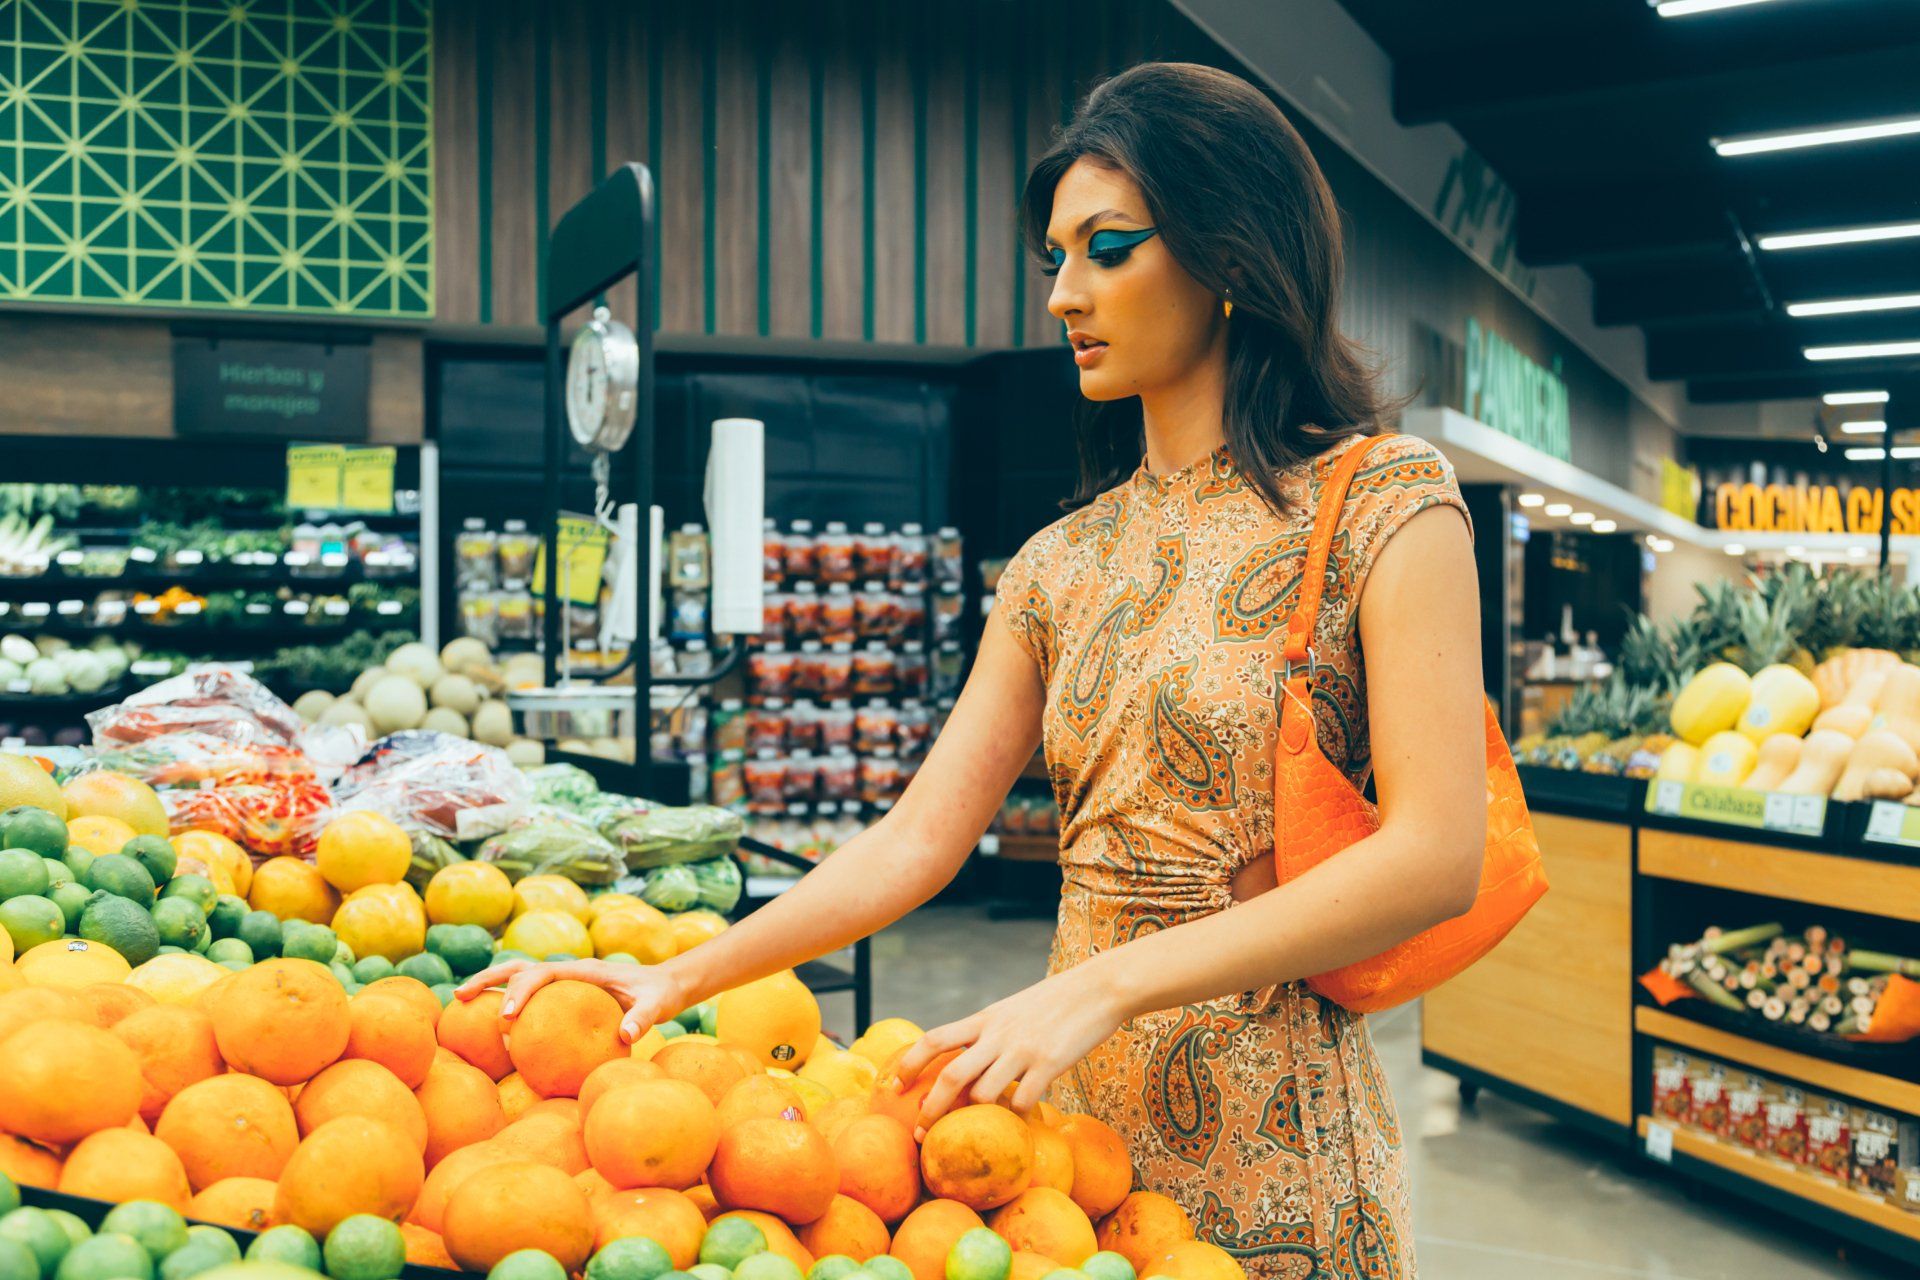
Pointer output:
820, 976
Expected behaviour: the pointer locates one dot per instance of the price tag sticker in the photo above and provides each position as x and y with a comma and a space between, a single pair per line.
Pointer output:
583, 554
1778, 814
366, 480
1810, 814
1893, 822
1660, 1142
313, 476
1666, 796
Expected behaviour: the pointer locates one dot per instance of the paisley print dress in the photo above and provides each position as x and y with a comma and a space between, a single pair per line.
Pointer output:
1155, 614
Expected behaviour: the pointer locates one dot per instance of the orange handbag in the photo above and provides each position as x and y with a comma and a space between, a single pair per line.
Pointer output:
1317, 812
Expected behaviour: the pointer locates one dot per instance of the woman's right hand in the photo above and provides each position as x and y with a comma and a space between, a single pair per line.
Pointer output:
649, 993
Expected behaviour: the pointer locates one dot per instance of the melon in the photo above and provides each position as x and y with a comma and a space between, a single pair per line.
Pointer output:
396, 703
312, 704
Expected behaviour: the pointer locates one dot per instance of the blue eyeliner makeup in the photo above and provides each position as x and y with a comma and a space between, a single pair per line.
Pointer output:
1107, 247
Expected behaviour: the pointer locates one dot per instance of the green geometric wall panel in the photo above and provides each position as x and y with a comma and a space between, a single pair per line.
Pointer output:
265, 155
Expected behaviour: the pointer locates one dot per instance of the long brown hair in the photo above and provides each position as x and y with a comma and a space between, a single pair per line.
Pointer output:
1242, 206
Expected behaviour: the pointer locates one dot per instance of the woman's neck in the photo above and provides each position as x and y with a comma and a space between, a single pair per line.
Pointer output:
1185, 421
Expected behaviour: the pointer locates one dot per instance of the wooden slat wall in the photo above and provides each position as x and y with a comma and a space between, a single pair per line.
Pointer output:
770, 120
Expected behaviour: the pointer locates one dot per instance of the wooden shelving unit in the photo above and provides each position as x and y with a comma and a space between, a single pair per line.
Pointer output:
1868, 1086
1829, 880
1024, 848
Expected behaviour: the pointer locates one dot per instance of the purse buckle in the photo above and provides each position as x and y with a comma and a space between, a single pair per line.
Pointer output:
1312, 665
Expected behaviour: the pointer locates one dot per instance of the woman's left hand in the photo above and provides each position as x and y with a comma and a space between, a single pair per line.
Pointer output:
1031, 1037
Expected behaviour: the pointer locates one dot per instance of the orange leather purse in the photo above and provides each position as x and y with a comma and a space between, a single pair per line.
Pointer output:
1317, 812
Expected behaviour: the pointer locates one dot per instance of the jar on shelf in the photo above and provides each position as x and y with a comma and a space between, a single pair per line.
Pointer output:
479, 616
875, 612
766, 778
727, 784
803, 726
773, 552
879, 777
838, 777
696, 659
837, 614
802, 552
661, 660
728, 725
949, 667
770, 672
802, 776
836, 671
514, 610
911, 670
687, 620
699, 780
949, 564
909, 615
947, 606
873, 551
474, 562
767, 726
913, 728
834, 559
808, 668
836, 725
516, 549
874, 727
806, 612
873, 670
693, 728
773, 617
910, 554
689, 561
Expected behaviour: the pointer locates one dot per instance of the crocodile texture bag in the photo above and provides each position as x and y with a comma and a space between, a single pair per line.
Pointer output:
1317, 812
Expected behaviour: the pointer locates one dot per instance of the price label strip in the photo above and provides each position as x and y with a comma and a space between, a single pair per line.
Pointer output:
1660, 1142
1892, 822
583, 552
1731, 806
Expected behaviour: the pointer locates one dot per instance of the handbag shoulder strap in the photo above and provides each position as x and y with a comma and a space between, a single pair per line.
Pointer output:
1326, 523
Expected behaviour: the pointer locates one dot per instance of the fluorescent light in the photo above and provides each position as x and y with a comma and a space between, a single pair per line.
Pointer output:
1581, 517
1862, 428
1854, 397
1839, 235
1796, 551
1604, 526
1863, 350
1874, 453
1857, 553
1557, 510
1829, 135
1663, 544
1686, 8
1735, 549
1532, 499
1852, 306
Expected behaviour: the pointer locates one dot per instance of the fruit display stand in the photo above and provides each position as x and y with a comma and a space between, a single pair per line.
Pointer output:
822, 977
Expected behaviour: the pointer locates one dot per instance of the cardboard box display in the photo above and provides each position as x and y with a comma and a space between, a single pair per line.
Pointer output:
1672, 1091
1785, 1107
1708, 1112
1746, 1112
1829, 1146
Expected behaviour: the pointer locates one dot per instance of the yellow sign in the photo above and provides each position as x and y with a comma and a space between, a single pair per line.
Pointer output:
1738, 807
366, 480
583, 554
1822, 508
1679, 489
313, 476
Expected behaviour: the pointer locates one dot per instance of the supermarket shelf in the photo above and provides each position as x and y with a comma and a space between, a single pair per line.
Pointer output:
1021, 848
1849, 884
1868, 1086
1890, 1228
62, 586
1036, 768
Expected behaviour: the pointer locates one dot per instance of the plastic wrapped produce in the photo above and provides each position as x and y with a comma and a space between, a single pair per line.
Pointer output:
720, 883
214, 699
430, 854
565, 786
674, 888
546, 840
194, 759
269, 819
659, 836
435, 782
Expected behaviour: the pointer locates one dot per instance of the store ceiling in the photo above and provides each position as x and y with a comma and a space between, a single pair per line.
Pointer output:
1601, 115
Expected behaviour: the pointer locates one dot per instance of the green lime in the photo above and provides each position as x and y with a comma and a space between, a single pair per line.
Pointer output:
121, 924
709, 1271
180, 922
230, 949
528, 1264
204, 941
224, 917
343, 954
1108, 1265
79, 859
235, 965
215, 1238
364, 1247
287, 1244
629, 1258
835, 1266
559, 957
197, 889
372, 969
767, 1266
468, 949
437, 935
980, 1254
443, 992
301, 940
26, 827
887, 1267
72, 899
31, 921
670, 1029
9, 1195
260, 930
689, 1017
159, 1228
506, 953
166, 950
1065, 1273
107, 1256
76, 1229
342, 975
425, 967
620, 957
192, 1259
36, 1229
22, 873
122, 876
155, 854
58, 872
17, 1262
731, 1241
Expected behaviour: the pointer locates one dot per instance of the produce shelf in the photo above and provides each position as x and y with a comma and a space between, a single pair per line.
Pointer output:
64, 586
1874, 1087
1870, 886
1021, 848
1883, 1226
1579, 794
1036, 768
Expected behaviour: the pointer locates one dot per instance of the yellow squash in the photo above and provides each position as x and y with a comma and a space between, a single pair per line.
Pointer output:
1710, 702
1726, 759
1780, 700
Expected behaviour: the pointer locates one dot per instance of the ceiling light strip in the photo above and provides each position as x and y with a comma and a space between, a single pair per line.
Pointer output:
1832, 135
1854, 397
1852, 306
1839, 235
1863, 350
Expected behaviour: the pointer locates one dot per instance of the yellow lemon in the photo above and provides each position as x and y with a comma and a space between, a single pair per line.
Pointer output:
647, 939
176, 979
6, 947
470, 893
216, 874
23, 781
840, 1073
645, 1047
551, 893
72, 963
379, 924
217, 851
99, 834
776, 1019
884, 1039
114, 795
815, 1095
691, 928
544, 933
293, 890
361, 848
10, 979
601, 903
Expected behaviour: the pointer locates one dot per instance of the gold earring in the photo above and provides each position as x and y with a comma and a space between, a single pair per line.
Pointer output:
1229, 308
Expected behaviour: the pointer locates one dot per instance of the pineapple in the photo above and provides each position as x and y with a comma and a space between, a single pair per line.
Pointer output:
1769, 631
1838, 610
1646, 656
1687, 647
1717, 616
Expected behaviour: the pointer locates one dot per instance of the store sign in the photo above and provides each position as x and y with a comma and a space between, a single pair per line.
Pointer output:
252, 387
331, 477
1679, 489
1759, 810
1818, 508
1513, 395
583, 557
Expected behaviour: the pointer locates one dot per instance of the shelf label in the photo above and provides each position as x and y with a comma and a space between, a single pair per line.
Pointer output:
1660, 1142
313, 476
366, 480
1892, 822
583, 555
1731, 806
332, 477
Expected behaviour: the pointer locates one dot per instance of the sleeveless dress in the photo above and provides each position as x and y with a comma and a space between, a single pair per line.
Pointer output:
1155, 614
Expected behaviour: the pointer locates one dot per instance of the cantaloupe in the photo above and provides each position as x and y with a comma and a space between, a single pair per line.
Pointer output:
493, 724
396, 703
312, 704
346, 711
456, 693
417, 663
446, 720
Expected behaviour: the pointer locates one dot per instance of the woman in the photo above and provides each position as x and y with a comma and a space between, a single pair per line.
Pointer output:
1196, 258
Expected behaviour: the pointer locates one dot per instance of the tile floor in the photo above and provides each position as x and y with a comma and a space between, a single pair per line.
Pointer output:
1501, 1192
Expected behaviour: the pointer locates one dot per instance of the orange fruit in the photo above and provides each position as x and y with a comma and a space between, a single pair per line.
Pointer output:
780, 1237
356, 1087
833, 1118
590, 1181
546, 1139
879, 1166
776, 1019
706, 1066
980, 1155
1043, 1220
653, 1133
293, 890
449, 1173
1052, 1158
847, 1227
1196, 1260
380, 920
471, 1028
702, 1197
104, 793
647, 938
691, 928
925, 1238
759, 1095
72, 963
470, 893
658, 1213
1102, 1173
1031, 1266
218, 853
60, 1081
351, 1165
1144, 1228
246, 1203
176, 1048
388, 1030
362, 848
902, 1102
110, 1002
230, 1126
609, 1076
99, 834
425, 1248
566, 1030
412, 990
282, 1020
28, 1005
504, 1208
879, 1042
551, 893
515, 1096
567, 1108
117, 1165
462, 1107
29, 1164
782, 1167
